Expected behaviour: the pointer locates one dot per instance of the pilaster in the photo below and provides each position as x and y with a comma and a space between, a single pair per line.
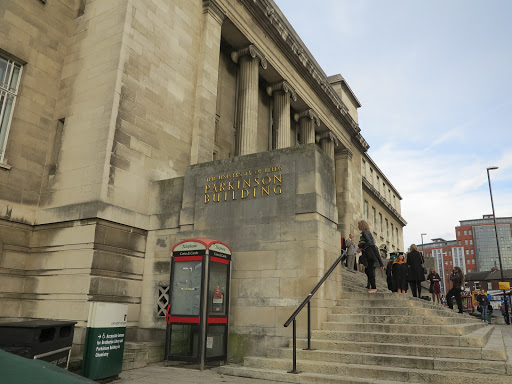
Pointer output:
203, 132
327, 143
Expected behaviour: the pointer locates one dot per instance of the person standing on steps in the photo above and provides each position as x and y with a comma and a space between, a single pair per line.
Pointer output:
351, 252
457, 278
370, 254
399, 273
483, 302
435, 286
415, 276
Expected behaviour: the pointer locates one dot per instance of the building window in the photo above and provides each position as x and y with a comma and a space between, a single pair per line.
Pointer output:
380, 222
468, 261
378, 184
10, 73
374, 219
467, 251
392, 230
366, 210
465, 233
449, 253
371, 176
466, 242
472, 251
470, 241
162, 300
396, 231
458, 233
363, 168
473, 261
460, 242
387, 229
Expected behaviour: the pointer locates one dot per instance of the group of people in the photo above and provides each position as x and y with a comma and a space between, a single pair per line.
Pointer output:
401, 272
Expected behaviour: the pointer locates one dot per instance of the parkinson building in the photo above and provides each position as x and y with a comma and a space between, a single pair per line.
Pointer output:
127, 126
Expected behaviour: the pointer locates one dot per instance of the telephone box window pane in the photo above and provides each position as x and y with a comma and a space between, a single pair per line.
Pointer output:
217, 297
184, 340
215, 341
186, 288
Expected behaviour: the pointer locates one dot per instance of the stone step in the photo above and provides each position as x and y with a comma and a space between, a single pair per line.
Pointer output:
425, 350
397, 311
381, 372
413, 329
274, 375
414, 362
477, 338
392, 319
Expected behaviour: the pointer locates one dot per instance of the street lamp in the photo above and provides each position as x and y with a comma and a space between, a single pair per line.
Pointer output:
422, 249
507, 315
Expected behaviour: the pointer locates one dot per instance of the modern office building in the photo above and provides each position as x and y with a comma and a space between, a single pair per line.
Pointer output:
479, 240
474, 249
127, 126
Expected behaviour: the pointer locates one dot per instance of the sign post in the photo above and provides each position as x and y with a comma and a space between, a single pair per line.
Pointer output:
104, 340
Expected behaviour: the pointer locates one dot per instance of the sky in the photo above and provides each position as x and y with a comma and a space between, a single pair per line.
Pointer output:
435, 82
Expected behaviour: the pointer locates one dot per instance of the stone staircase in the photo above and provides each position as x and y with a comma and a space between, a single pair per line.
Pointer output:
386, 338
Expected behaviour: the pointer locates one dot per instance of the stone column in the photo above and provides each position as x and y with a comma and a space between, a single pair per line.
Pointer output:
282, 92
327, 143
307, 120
249, 59
203, 130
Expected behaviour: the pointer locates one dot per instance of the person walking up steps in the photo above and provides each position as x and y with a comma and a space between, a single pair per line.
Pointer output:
370, 254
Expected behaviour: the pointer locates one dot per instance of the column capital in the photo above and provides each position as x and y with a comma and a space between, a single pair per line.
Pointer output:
251, 51
212, 7
307, 114
344, 153
282, 86
327, 136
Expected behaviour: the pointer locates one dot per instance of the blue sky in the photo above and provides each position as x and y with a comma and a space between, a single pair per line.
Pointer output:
435, 82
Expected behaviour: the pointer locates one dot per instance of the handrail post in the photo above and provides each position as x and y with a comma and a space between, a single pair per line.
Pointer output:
294, 370
309, 327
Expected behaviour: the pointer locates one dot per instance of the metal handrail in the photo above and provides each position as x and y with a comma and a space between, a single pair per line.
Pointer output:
301, 307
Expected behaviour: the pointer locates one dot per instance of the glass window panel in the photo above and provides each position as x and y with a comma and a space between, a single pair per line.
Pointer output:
217, 288
186, 288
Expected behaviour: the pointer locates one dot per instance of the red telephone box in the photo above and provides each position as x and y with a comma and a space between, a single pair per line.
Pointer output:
197, 315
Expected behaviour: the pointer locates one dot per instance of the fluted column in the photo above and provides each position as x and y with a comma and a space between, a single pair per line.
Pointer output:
249, 59
327, 143
307, 120
282, 92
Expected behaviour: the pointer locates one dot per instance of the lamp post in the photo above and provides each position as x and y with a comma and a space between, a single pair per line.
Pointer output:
507, 315
422, 249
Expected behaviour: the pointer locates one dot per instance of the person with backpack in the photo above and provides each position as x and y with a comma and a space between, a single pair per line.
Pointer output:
457, 278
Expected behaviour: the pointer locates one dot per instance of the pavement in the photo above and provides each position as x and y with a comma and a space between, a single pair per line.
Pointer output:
160, 374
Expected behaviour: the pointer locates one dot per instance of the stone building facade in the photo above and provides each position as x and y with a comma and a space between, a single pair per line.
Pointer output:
130, 125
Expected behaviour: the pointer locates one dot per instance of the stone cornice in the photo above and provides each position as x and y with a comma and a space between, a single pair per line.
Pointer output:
384, 202
251, 51
307, 114
212, 7
282, 86
274, 23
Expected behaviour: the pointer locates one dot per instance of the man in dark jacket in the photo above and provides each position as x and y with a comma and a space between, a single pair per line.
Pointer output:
416, 276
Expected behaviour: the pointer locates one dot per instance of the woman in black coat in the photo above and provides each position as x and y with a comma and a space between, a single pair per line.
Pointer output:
370, 254
416, 275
